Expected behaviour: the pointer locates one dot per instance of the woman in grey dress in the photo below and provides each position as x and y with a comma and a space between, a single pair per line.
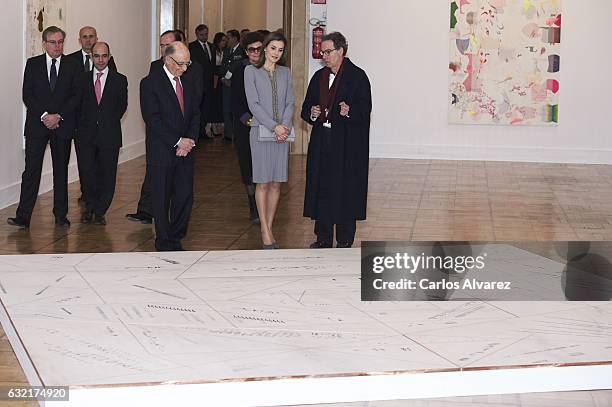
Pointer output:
269, 94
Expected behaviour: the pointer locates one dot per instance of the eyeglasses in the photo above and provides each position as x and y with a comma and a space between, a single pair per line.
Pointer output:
327, 52
254, 50
181, 64
60, 42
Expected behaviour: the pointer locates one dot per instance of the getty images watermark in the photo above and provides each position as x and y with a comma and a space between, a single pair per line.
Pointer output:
502, 271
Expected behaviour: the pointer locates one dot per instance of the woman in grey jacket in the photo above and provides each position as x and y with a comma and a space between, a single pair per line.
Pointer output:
269, 94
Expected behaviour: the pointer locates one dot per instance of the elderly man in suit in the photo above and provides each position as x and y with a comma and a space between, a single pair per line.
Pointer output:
171, 112
203, 53
49, 93
103, 101
144, 210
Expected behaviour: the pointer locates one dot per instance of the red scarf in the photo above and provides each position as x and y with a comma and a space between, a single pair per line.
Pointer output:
327, 94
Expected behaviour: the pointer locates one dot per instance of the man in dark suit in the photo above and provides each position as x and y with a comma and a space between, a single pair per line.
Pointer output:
203, 53
49, 93
171, 112
103, 101
144, 211
87, 38
232, 54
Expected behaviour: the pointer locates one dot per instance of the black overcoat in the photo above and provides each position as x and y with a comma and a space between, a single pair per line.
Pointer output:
350, 148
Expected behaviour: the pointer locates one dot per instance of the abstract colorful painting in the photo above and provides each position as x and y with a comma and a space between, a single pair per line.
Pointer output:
504, 62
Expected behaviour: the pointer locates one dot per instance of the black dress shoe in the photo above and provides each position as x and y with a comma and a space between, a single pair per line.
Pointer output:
62, 222
344, 245
86, 217
21, 223
321, 245
99, 220
140, 217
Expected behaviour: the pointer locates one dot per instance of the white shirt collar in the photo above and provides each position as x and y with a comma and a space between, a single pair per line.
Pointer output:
104, 71
50, 60
171, 77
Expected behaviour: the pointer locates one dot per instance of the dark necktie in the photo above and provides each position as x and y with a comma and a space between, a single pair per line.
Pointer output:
87, 63
53, 75
206, 52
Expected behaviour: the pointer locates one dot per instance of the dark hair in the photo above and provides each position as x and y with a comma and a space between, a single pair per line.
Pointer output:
217, 40
52, 30
173, 32
274, 36
180, 34
338, 39
250, 38
234, 33
101, 42
244, 30
201, 27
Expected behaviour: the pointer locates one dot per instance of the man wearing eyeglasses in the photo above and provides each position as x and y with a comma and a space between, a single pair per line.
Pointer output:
338, 105
49, 94
144, 210
171, 112
103, 96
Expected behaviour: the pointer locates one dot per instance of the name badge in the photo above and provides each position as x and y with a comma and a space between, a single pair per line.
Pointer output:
327, 124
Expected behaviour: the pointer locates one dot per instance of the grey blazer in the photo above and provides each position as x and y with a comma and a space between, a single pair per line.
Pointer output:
258, 90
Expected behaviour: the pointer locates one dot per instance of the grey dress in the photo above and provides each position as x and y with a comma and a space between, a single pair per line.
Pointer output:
271, 101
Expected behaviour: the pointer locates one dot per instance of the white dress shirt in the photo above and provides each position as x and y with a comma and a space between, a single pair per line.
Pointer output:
84, 57
102, 78
57, 66
50, 62
205, 45
173, 82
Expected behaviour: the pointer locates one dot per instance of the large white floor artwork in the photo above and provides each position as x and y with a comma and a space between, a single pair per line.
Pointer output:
277, 327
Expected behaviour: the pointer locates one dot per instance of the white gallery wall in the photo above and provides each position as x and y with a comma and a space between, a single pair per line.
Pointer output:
125, 25
403, 47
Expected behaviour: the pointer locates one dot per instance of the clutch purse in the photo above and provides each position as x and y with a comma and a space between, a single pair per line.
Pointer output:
266, 135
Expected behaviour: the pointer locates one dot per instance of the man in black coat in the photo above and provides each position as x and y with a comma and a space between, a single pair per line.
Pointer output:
171, 112
87, 38
203, 53
338, 104
103, 102
144, 210
232, 54
50, 96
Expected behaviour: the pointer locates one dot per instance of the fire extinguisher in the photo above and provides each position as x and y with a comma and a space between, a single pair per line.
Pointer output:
317, 34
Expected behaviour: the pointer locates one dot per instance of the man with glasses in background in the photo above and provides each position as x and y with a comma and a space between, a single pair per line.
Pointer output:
170, 107
49, 94
338, 105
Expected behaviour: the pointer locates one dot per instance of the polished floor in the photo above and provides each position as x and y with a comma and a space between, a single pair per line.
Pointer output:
408, 200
